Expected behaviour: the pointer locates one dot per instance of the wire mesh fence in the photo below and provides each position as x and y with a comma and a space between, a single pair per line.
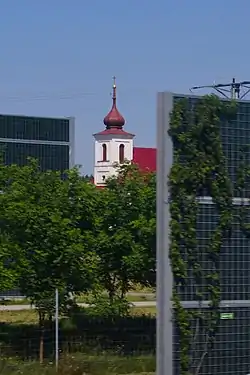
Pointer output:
126, 342
228, 354
113, 345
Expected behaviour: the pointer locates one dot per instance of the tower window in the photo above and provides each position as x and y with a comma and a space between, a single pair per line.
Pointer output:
104, 152
121, 153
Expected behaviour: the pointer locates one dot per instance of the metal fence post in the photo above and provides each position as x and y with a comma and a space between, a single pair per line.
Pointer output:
164, 279
56, 328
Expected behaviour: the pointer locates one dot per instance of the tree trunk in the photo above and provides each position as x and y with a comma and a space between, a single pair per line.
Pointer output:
111, 295
124, 288
110, 286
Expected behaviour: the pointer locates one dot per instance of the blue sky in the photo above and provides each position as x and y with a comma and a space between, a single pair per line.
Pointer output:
58, 58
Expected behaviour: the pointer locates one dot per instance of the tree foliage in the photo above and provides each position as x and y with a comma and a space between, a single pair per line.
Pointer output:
58, 231
48, 225
9, 251
127, 227
51, 225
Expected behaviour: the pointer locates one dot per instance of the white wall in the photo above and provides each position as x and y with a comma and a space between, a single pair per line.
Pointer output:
105, 169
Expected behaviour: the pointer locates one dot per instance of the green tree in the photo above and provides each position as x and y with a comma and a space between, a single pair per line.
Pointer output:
89, 178
51, 220
9, 251
126, 241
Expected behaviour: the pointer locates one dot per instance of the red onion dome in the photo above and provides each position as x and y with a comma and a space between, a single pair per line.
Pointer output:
114, 119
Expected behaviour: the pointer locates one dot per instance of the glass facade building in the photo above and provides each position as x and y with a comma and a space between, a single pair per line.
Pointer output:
50, 140
231, 351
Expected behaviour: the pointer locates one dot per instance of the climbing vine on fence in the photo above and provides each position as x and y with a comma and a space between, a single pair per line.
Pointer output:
241, 186
199, 168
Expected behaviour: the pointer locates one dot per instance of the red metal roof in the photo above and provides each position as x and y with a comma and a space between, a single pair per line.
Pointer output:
145, 158
114, 131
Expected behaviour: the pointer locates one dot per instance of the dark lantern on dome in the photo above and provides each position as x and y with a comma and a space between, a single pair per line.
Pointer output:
114, 120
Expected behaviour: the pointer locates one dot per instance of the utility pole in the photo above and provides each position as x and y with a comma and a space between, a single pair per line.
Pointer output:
232, 90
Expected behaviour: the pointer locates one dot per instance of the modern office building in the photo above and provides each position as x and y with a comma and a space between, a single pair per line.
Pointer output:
50, 140
231, 351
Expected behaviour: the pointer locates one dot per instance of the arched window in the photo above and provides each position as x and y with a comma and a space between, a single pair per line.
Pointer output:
104, 152
121, 153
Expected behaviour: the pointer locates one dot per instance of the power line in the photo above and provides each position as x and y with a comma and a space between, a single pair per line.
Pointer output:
23, 98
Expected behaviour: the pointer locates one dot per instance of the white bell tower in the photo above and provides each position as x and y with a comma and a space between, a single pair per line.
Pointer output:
112, 145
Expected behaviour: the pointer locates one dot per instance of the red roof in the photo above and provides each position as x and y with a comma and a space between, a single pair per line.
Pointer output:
114, 131
145, 158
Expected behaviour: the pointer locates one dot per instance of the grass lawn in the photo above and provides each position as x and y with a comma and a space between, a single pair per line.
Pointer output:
81, 365
83, 299
143, 294
19, 317
144, 310
31, 317
146, 297
15, 302
130, 298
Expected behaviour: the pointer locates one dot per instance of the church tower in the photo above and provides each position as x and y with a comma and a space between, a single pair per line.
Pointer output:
112, 145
